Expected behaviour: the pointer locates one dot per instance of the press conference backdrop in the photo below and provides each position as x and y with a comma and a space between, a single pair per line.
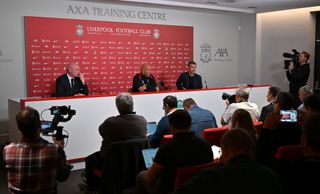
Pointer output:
109, 53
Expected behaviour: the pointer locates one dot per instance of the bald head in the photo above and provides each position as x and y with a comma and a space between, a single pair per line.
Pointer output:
235, 142
146, 69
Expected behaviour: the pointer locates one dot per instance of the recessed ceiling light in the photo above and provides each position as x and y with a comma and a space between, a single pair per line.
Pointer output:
212, 2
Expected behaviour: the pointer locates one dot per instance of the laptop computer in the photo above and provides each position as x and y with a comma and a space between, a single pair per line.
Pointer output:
151, 127
148, 156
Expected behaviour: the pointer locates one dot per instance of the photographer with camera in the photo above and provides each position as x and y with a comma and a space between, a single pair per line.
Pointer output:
34, 165
297, 71
241, 102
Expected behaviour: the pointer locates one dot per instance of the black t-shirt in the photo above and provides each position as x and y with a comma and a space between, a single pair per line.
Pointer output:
186, 149
191, 80
139, 80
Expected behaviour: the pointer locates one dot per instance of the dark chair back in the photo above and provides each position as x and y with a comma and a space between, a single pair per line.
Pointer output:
184, 174
123, 163
289, 152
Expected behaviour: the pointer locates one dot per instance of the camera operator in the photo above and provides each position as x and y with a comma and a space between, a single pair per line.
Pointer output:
241, 98
298, 75
34, 165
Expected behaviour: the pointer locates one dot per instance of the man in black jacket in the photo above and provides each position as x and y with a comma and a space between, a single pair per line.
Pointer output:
298, 76
144, 81
189, 79
72, 83
240, 173
271, 96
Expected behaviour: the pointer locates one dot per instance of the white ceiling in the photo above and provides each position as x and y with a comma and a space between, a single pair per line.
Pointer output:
242, 6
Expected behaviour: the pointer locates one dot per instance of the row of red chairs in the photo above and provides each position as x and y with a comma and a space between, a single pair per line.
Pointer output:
213, 135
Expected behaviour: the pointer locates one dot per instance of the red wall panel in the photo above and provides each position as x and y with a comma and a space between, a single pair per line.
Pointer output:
109, 53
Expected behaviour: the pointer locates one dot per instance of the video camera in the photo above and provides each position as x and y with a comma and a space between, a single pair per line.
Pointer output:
51, 128
231, 98
294, 58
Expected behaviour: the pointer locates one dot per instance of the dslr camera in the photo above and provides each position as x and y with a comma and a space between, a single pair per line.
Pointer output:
293, 57
51, 128
231, 98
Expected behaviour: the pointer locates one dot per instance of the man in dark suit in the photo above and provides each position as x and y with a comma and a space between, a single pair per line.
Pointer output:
72, 83
189, 79
239, 174
271, 96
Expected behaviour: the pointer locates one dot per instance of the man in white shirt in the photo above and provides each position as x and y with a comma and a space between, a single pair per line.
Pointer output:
242, 96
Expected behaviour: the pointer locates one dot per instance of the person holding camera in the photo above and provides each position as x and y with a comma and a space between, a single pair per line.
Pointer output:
241, 102
298, 75
34, 165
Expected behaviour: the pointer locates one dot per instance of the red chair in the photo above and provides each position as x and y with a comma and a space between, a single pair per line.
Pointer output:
166, 138
183, 174
213, 135
289, 152
258, 125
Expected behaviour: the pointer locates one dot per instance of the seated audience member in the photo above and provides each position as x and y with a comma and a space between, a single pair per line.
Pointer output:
304, 91
277, 133
201, 118
34, 165
302, 176
144, 81
239, 174
311, 104
169, 106
186, 149
242, 96
127, 125
72, 83
242, 119
271, 96
189, 79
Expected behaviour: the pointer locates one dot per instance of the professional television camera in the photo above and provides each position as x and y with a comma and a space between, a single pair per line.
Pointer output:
51, 128
294, 58
231, 98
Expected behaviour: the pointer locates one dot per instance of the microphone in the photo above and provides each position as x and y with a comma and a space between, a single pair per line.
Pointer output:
205, 82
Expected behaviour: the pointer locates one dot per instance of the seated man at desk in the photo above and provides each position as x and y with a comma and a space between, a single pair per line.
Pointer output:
185, 149
72, 83
189, 79
144, 81
127, 125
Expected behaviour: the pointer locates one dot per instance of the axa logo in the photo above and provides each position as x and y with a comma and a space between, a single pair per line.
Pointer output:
221, 52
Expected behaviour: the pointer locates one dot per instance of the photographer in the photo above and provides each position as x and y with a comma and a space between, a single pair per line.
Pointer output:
34, 165
298, 75
241, 102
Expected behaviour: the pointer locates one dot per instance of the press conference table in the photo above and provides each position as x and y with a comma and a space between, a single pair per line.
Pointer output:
91, 111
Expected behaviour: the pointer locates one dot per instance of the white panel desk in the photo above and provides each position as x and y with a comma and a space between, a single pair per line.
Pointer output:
91, 111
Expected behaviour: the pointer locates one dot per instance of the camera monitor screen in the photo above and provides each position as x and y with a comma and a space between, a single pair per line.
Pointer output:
288, 115
46, 125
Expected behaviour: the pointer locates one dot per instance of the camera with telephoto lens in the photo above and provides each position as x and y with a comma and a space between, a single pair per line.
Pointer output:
51, 128
294, 58
231, 98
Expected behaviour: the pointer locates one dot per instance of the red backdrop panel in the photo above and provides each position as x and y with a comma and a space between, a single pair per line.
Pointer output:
109, 53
